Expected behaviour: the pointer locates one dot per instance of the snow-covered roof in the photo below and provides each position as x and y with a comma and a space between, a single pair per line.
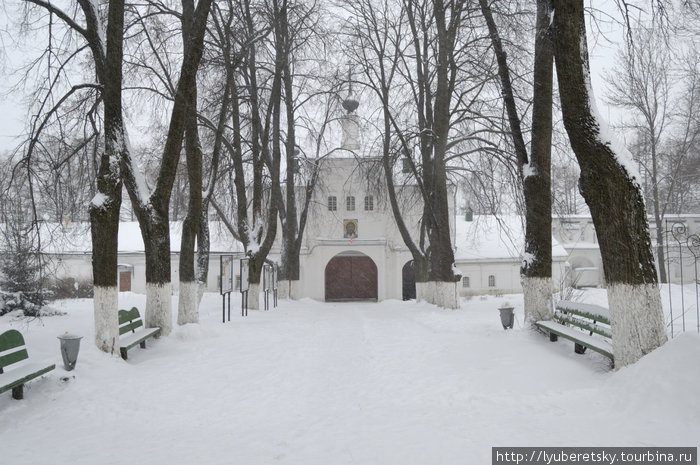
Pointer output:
76, 238
490, 237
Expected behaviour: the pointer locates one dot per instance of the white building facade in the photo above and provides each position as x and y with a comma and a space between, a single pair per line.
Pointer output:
352, 248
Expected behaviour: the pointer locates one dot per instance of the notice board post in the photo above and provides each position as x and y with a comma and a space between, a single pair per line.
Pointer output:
267, 283
245, 285
226, 284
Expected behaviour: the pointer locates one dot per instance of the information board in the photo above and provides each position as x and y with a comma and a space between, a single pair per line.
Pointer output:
226, 274
245, 266
267, 278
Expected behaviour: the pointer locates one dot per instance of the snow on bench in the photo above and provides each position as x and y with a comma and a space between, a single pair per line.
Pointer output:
129, 320
587, 325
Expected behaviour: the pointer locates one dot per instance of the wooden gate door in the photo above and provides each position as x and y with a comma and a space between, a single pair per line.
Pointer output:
408, 281
124, 281
351, 278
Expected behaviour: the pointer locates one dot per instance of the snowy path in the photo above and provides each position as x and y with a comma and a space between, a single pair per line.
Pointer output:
313, 383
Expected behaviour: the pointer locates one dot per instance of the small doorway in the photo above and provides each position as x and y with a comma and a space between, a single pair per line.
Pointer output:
125, 281
408, 281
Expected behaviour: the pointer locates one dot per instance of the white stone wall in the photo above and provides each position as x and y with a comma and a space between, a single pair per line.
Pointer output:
506, 273
79, 267
577, 234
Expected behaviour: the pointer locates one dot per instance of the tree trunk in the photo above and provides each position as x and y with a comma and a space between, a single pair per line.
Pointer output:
188, 287
203, 248
536, 270
440, 252
104, 208
155, 231
613, 197
658, 220
289, 266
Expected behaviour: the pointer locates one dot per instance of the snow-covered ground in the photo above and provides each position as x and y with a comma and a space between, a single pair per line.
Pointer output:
316, 383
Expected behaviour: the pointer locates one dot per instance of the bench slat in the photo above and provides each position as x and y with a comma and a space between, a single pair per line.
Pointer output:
583, 324
594, 312
13, 357
602, 346
130, 327
129, 341
13, 378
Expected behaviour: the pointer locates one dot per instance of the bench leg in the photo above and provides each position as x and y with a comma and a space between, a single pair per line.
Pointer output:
143, 344
553, 337
579, 349
123, 352
18, 392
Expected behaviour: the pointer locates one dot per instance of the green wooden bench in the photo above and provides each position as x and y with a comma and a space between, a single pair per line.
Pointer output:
12, 351
129, 321
587, 325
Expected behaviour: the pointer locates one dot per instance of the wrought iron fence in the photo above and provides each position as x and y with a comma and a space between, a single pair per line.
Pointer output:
683, 251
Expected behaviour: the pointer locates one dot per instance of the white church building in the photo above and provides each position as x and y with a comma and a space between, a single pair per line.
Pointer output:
353, 250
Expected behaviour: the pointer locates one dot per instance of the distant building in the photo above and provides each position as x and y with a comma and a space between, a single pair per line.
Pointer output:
352, 248
489, 254
69, 249
577, 235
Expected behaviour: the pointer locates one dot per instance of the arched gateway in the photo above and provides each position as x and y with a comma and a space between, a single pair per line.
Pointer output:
351, 276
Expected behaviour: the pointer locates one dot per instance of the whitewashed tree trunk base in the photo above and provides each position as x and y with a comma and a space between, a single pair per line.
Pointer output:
159, 310
254, 296
637, 321
187, 304
106, 304
537, 296
201, 289
285, 286
441, 293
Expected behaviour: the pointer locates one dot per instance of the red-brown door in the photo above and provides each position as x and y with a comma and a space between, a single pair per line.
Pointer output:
351, 278
124, 281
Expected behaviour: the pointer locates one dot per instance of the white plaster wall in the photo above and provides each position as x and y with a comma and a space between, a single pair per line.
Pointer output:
378, 237
79, 267
506, 272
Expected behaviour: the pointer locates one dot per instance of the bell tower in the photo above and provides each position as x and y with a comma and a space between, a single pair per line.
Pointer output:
350, 122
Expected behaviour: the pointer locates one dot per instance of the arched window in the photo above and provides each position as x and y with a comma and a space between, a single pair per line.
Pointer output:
350, 203
369, 203
332, 203
465, 281
492, 281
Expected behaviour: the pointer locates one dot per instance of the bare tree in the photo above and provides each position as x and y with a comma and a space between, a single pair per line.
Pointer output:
188, 287
152, 208
308, 112
106, 47
612, 191
680, 178
534, 168
425, 59
254, 137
